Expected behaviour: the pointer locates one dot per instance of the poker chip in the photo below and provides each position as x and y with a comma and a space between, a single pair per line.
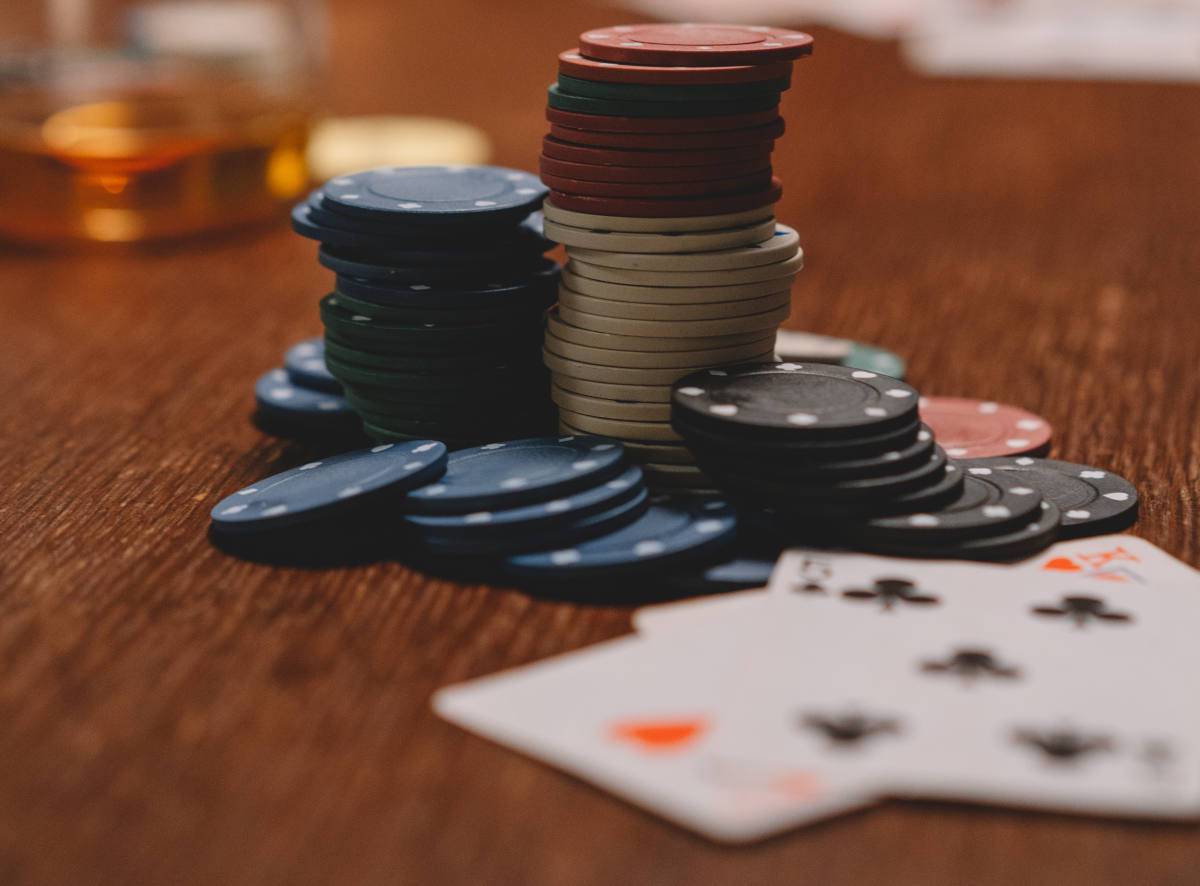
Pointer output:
534, 291
655, 359
800, 400
606, 289
689, 43
304, 363
779, 246
766, 321
656, 243
436, 193
984, 429
507, 474
1093, 501
671, 532
560, 149
337, 484
628, 310
573, 63
632, 393
283, 401
667, 190
987, 505
625, 410
652, 225
774, 271
533, 518
668, 207
611, 342
762, 137
632, 375
712, 108
676, 477
637, 431
670, 92
808, 347
1033, 538
598, 172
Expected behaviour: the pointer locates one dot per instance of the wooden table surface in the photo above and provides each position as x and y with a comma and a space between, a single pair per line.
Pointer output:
169, 714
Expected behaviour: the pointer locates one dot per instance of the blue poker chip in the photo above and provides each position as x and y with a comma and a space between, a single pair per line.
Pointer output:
671, 532
304, 363
279, 398
565, 532
344, 482
503, 475
435, 194
534, 518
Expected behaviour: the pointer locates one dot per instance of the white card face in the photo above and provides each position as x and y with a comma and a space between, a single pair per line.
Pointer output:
654, 723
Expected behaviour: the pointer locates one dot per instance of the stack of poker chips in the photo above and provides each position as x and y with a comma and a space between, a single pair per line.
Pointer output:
828, 454
658, 162
434, 323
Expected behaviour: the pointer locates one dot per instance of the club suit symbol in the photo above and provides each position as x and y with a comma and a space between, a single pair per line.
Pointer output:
851, 728
892, 592
1063, 745
1083, 610
972, 664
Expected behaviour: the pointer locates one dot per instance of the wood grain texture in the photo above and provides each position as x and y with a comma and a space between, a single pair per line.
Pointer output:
172, 715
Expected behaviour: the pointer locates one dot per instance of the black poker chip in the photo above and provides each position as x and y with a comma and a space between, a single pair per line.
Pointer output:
1093, 501
794, 400
988, 505
436, 194
743, 446
1025, 541
536, 287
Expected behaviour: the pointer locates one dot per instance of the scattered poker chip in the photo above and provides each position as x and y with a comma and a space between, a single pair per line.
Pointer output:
501, 475
672, 531
1033, 538
436, 193
279, 398
337, 484
799, 400
1093, 501
648, 225
984, 429
808, 347
762, 137
775, 271
582, 104
656, 359
675, 294
782, 244
988, 505
610, 342
532, 519
304, 363
599, 172
628, 310
665, 190
573, 63
563, 531
684, 44
670, 92
558, 149
662, 242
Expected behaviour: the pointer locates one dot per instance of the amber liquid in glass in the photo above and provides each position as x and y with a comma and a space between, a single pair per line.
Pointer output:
142, 166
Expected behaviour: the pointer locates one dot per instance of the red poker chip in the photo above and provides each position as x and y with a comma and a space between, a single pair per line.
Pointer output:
667, 207
744, 185
574, 64
558, 149
596, 172
695, 141
675, 45
968, 428
604, 123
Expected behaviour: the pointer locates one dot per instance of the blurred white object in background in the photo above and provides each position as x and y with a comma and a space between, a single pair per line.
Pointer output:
1082, 39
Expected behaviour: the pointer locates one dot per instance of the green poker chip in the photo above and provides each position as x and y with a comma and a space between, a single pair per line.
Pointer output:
640, 92
611, 108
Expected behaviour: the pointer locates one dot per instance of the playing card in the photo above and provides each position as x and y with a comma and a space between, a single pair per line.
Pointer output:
654, 723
